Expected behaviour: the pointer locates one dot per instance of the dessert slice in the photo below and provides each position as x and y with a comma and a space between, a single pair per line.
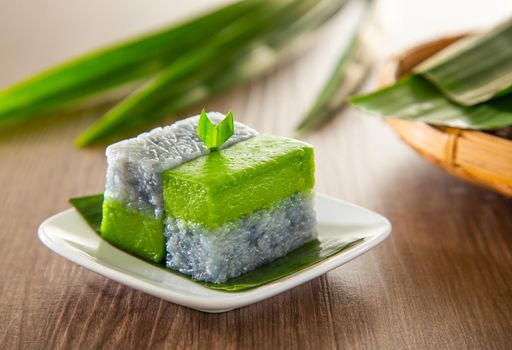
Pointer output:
133, 206
235, 209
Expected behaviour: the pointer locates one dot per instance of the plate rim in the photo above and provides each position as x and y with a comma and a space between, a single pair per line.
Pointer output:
228, 300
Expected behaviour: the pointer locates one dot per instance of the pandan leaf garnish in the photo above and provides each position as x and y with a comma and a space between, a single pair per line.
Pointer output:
214, 136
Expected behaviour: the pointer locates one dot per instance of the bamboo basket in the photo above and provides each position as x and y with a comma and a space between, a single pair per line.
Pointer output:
474, 156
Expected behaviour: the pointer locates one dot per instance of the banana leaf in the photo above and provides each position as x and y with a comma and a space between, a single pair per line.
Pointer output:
248, 48
414, 98
473, 70
348, 75
90, 207
305, 256
118, 65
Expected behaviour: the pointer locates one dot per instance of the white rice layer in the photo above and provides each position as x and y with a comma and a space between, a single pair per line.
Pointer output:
239, 246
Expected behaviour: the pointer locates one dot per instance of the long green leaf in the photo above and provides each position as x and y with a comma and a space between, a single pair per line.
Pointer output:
303, 257
414, 98
114, 66
203, 73
347, 76
151, 101
473, 70
274, 49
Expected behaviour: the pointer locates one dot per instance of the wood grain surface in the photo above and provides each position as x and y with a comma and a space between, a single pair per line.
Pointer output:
443, 279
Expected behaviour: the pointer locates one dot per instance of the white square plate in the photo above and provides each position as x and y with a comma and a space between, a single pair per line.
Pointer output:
69, 235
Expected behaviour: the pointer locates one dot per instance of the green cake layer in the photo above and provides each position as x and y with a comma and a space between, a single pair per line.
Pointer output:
224, 185
133, 231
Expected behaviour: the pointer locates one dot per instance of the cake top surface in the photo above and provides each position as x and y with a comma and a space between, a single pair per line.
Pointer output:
245, 159
235, 181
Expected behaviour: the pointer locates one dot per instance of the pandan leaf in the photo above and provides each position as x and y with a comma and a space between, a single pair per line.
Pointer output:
214, 136
348, 74
414, 98
473, 70
232, 58
90, 207
154, 100
301, 258
114, 66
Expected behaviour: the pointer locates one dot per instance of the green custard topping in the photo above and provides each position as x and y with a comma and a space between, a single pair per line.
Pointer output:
226, 184
133, 231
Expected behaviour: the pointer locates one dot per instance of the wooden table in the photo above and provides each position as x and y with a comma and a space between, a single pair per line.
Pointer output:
442, 280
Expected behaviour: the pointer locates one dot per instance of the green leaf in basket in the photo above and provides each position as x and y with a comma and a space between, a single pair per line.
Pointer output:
248, 47
214, 136
114, 66
303, 257
414, 98
475, 69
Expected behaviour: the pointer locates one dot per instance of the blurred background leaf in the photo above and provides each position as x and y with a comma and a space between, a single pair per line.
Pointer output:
205, 72
349, 73
173, 69
111, 67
